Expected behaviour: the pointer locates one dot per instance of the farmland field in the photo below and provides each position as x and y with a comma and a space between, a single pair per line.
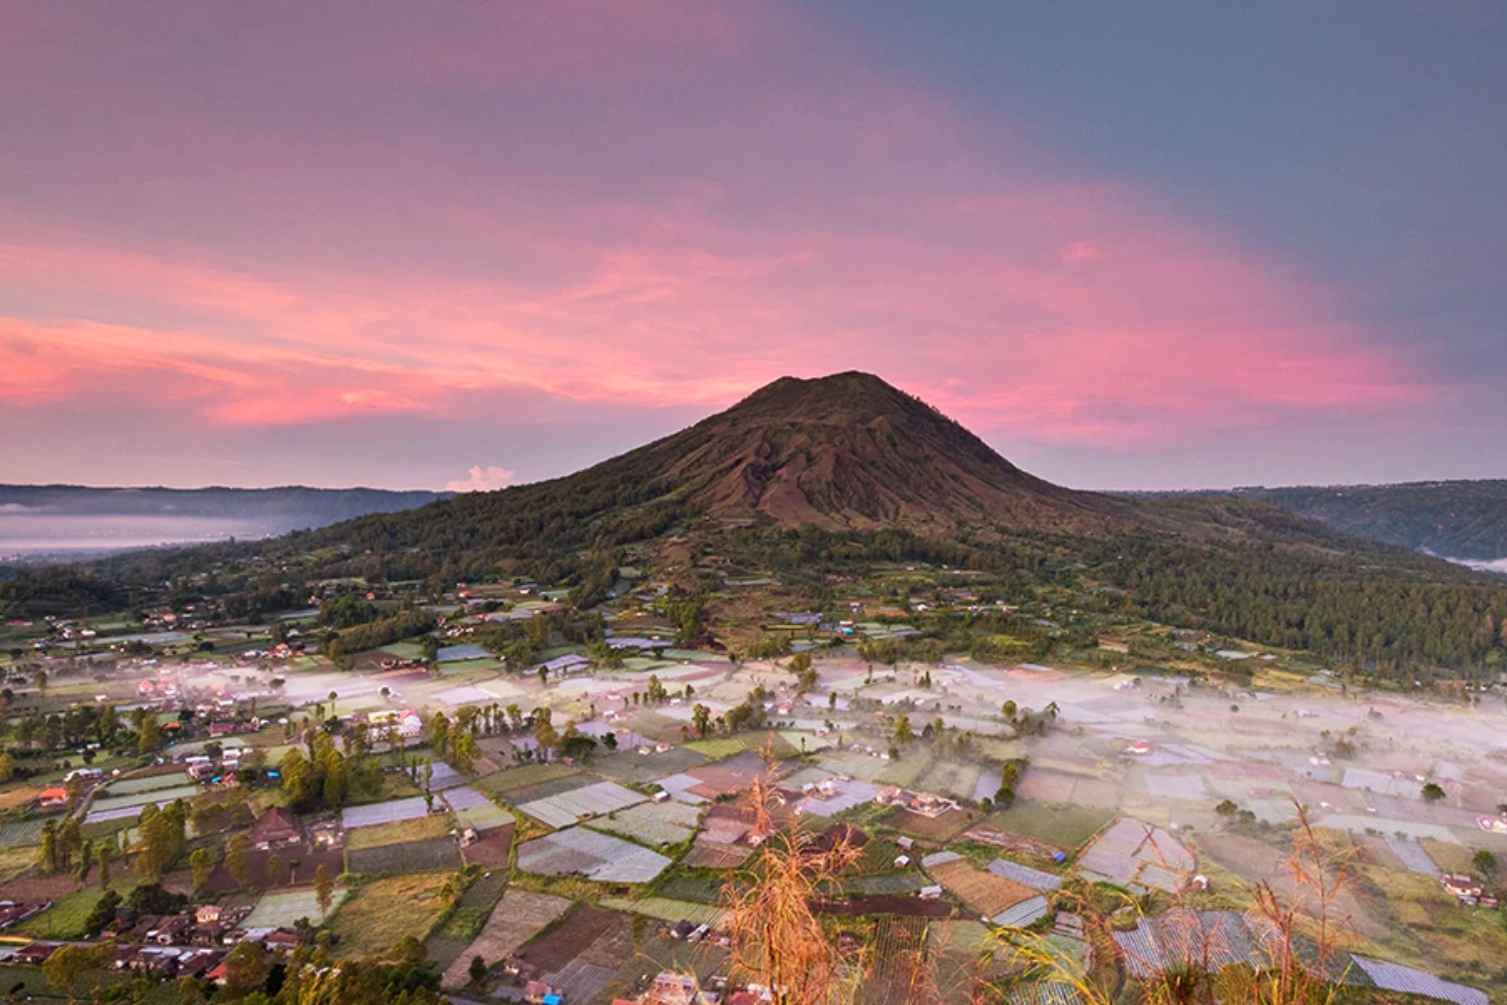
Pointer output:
132, 786
528, 774
423, 828
518, 916
982, 892
1065, 825
383, 813
596, 856
950, 778
940, 828
283, 908
652, 823
381, 913
666, 909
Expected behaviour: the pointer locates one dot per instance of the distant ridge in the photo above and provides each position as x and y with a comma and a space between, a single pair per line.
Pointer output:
1458, 519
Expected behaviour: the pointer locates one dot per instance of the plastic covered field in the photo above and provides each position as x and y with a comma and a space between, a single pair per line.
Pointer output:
600, 857
588, 801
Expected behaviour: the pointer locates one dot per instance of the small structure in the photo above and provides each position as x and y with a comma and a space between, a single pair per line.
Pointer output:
276, 828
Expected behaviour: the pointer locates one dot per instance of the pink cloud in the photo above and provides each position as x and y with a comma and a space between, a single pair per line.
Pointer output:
483, 478
806, 228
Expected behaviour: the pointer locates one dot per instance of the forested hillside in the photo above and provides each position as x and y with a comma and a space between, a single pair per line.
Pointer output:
1456, 519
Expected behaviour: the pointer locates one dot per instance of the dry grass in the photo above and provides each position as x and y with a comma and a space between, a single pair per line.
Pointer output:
980, 891
1297, 936
382, 913
399, 832
777, 940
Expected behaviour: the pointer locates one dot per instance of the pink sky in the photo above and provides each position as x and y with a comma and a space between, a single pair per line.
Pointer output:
294, 247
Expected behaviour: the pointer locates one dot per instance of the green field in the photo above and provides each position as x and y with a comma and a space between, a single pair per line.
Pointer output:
527, 774
282, 909
1065, 825
65, 919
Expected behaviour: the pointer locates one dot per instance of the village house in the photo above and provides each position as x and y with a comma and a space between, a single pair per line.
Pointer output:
276, 828
55, 797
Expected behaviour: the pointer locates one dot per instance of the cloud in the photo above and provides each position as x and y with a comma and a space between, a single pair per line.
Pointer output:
402, 253
483, 479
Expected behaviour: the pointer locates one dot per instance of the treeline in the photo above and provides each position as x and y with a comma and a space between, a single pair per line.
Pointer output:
60, 591
382, 632
1375, 619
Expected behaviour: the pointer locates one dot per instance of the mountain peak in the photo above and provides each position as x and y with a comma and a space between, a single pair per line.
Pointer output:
850, 450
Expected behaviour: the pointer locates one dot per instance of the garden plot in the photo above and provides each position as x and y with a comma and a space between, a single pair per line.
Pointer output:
600, 857
473, 809
282, 909
1412, 855
1382, 783
951, 778
653, 823
588, 801
1045, 882
682, 788
1189, 788
119, 807
855, 765
1131, 853
985, 893
135, 786
465, 694
445, 777
518, 917
636, 769
1358, 824
467, 651
383, 813
665, 909
838, 797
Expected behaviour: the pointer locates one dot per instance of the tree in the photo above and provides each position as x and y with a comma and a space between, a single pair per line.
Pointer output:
238, 860
701, 718
276, 871
463, 751
1432, 792
202, 863
47, 853
105, 852
903, 732
477, 969
1485, 863
1008, 710
246, 969
149, 737
324, 889
70, 966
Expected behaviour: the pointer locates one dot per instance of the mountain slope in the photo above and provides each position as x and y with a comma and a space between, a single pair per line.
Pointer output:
843, 453
850, 451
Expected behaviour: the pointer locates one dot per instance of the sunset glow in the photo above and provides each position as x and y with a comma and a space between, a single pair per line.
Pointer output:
616, 219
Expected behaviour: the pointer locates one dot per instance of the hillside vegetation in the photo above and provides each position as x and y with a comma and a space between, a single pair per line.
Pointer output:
815, 479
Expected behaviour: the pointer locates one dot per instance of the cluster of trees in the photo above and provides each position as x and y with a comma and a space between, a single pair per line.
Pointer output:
326, 777
60, 591
382, 631
1377, 620
163, 834
1009, 777
456, 741
79, 726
